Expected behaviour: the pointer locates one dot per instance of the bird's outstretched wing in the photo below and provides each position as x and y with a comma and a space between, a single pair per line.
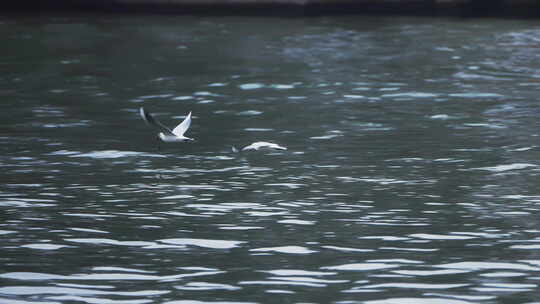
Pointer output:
263, 145
150, 120
183, 126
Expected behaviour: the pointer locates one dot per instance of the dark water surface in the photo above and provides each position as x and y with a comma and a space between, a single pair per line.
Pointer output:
412, 173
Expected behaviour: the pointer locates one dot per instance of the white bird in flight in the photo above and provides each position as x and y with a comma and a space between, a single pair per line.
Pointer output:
261, 145
166, 134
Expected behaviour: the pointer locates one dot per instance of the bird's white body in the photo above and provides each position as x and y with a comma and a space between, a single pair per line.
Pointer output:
168, 135
259, 145
170, 138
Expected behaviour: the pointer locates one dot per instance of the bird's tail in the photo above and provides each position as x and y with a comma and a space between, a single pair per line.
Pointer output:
234, 150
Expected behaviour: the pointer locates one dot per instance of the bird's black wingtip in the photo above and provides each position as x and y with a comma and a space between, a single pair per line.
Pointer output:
145, 116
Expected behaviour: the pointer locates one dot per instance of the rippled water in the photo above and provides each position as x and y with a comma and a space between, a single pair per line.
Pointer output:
411, 174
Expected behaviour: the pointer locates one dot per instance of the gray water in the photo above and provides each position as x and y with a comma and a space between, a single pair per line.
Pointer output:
411, 174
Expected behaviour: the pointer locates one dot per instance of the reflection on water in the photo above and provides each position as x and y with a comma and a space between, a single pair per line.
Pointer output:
410, 175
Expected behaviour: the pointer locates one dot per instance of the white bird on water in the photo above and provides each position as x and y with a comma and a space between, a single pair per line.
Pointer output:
166, 134
261, 145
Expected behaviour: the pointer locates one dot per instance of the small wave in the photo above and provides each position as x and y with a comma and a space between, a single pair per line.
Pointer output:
503, 168
147, 97
287, 185
179, 196
476, 95
106, 276
285, 249
307, 279
429, 272
120, 269
182, 98
113, 154
202, 187
444, 117
330, 136
385, 181
226, 207
298, 272
503, 274
297, 222
280, 282
63, 152
480, 77
385, 238
206, 93
351, 96
83, 123
423, 300
533, 247
249, 113
505, 287
88, 230
361, 266
50, 290
442, 237
227, 227
89, 215
411, 95
39, 246
266, 213
206, 286
283, 86
414, 286
176, 213
410, 249
347, 249
397, 260
218, 84
204, 302
511, 285
486, 125
103, 241
27, 203
205, 243
474, 266
368, 126
258, 129
251, 86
